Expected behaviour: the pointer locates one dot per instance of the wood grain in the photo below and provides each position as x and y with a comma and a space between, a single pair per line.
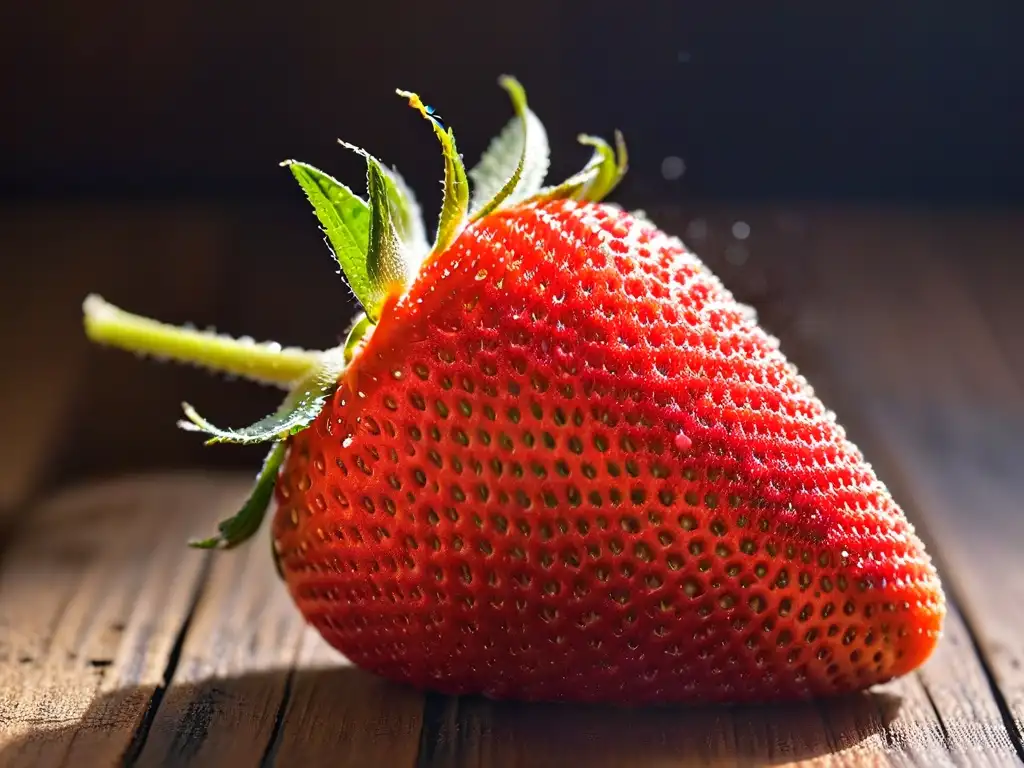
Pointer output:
231, 677
254, 684
986, 255
338, 714
93, 598
122, 645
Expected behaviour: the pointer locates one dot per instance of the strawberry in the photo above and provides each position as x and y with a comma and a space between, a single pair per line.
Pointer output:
555, 459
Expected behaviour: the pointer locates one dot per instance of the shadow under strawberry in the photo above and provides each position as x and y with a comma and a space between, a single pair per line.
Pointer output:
326, 720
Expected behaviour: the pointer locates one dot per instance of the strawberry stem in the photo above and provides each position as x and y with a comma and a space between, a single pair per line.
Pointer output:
266, 363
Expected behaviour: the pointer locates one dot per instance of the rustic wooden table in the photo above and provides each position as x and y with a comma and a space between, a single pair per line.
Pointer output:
119, 646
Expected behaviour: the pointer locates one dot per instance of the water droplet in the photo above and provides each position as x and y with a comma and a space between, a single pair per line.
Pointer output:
697, 230
737, 254
741, 230
347, 442
672, 167
683, 442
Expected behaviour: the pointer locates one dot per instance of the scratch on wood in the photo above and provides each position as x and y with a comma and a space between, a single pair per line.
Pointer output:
138, 741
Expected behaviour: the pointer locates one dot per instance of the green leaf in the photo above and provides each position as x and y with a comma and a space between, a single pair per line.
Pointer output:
345, 218
516, 161
302, 405
247, 521
599, 176
386, 262
456, 186
405, 210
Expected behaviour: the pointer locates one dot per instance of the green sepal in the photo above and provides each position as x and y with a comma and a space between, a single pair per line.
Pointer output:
621, 156
599, 176
611, 169
516, 162
386, 261
408, 216
345, 218
356, 335
405, 210
247, 521
302, 405
455, 205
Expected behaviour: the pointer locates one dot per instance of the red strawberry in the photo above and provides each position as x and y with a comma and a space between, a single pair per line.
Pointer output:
556, 459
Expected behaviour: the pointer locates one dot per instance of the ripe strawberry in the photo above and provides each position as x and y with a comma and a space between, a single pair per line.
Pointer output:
556, 459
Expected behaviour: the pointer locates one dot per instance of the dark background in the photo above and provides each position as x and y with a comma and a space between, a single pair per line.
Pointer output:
201, 98
141, 143
873, 151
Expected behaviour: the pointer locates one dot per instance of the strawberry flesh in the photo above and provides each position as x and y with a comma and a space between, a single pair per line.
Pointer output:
569, 465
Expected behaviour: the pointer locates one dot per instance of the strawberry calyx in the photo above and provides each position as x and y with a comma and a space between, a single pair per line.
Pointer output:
297, 411
247, 521
380, 244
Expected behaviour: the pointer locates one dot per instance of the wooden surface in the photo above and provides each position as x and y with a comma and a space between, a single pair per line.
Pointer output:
119, 646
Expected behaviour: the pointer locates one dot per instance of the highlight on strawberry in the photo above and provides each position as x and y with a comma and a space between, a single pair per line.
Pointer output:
556, 459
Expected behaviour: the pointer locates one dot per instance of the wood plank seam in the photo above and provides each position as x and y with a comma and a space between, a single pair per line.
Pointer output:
138, 741
274, 742
1004, 708
947, 739
437, 709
